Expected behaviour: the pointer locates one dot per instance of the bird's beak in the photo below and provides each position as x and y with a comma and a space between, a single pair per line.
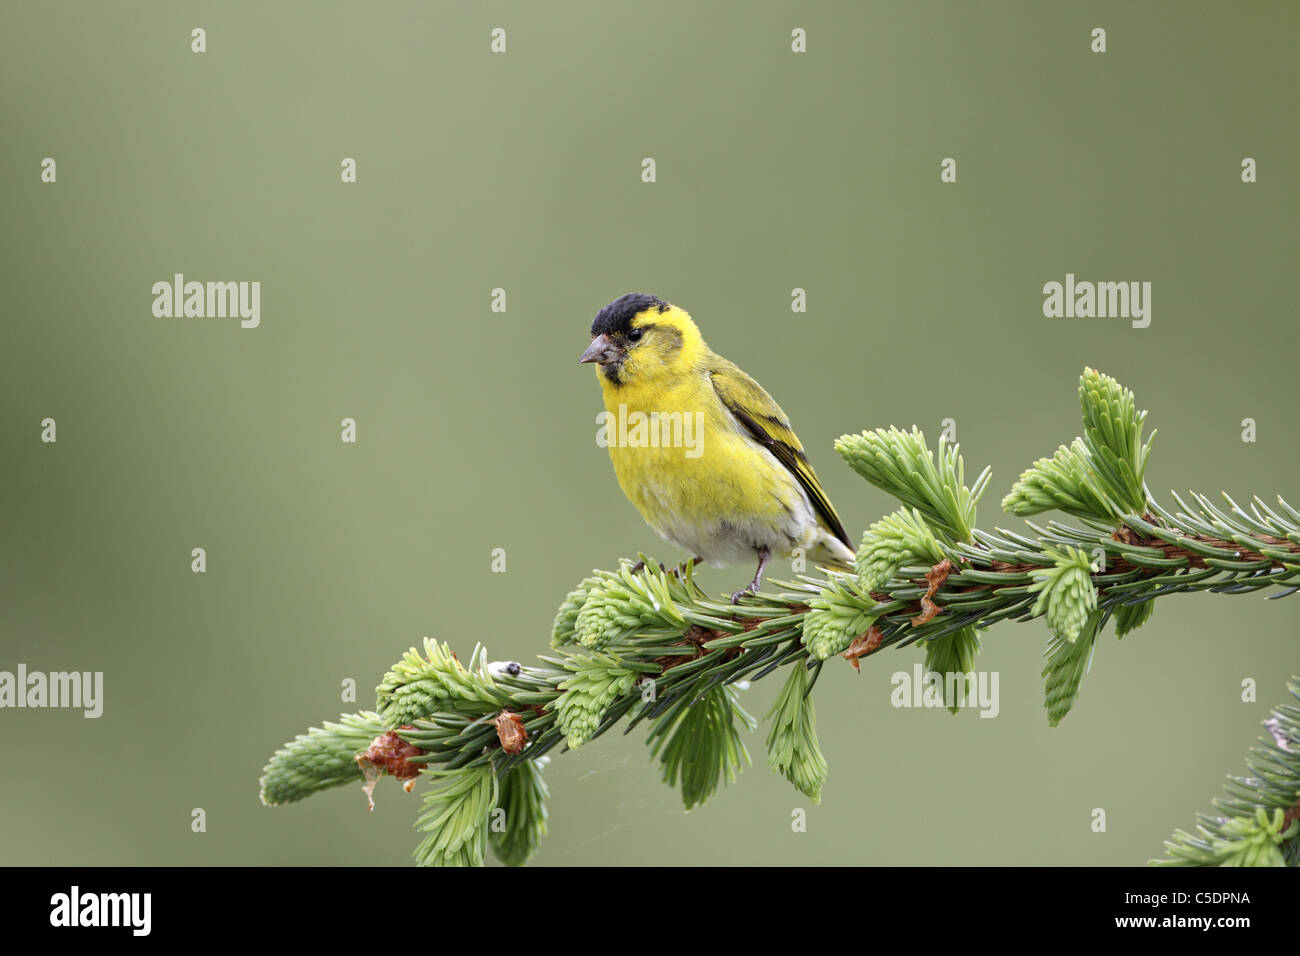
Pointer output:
601, 350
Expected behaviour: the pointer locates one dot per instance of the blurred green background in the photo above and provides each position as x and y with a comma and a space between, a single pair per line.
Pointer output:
476, 429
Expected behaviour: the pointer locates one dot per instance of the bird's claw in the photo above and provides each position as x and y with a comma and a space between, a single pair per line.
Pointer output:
737, 595
676, 572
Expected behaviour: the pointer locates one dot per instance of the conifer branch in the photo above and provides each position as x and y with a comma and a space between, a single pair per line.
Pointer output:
644, 644
1259, 820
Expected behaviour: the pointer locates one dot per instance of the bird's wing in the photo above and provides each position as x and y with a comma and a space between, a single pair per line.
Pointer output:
762, 417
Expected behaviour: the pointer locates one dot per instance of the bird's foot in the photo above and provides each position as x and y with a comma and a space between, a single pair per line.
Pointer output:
755, 584
737, 595
676, 572
680, 570
640, 566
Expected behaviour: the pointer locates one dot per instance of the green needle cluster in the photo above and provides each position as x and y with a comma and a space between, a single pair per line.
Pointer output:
792, 748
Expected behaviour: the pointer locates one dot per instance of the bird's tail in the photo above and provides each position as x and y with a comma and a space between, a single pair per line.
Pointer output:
830, 550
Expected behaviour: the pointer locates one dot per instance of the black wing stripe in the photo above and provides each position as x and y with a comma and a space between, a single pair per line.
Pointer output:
790, 458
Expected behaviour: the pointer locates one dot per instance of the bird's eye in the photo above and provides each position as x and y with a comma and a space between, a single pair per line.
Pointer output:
635, 335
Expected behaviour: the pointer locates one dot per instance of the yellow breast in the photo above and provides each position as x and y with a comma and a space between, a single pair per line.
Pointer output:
682, 460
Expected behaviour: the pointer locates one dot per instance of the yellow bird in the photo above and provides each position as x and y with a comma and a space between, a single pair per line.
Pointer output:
702, 450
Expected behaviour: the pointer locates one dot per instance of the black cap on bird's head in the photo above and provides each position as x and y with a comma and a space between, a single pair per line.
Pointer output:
618, 315
611, 328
